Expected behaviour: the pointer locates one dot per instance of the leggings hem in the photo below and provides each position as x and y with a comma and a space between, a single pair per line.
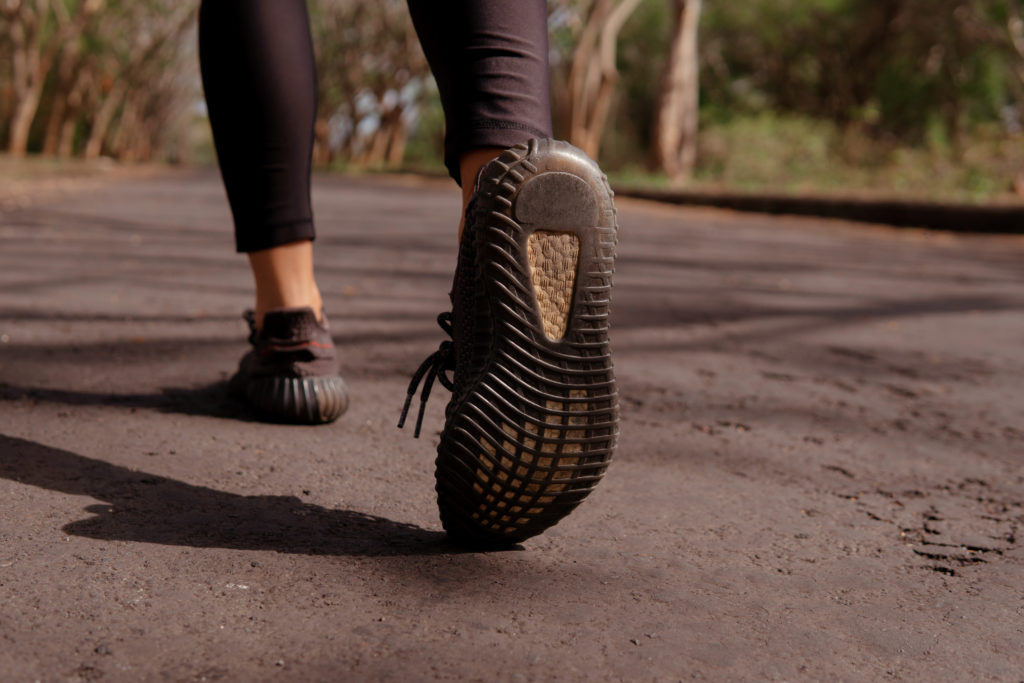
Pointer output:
484, 133
259, 237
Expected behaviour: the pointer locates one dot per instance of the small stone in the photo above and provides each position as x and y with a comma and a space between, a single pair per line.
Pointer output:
102, 650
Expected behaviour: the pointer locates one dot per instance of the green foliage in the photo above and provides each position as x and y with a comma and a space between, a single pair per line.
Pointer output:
919, 97
795, 154
891, 65
760, 150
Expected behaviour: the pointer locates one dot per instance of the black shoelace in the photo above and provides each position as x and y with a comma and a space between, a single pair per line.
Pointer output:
250, 317
436, 366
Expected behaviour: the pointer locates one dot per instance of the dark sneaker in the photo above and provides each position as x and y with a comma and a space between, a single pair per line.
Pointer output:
291, 373
533, 418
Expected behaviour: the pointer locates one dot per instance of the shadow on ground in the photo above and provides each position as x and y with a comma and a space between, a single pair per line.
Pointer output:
147, 508
213, 400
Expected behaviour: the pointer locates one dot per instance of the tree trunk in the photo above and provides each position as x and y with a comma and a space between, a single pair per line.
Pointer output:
581, 71
593, 73
51, 141
677, 116
72, 114
61, 98
123, 139
101, 124
374, 148
396, 142
27, 71
21, 122
321, 141
66, 146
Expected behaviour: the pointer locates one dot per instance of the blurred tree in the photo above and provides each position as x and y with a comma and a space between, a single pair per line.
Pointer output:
105, 67
371, 74
70, 81
678, 115
643, 49
593, 27
898, 67
136, 87
92, 77
37, 31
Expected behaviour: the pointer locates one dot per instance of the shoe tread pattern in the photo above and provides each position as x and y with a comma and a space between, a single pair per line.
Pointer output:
535, 429
297, 400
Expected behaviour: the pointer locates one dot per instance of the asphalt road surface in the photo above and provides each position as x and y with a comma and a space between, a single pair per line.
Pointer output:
819, 476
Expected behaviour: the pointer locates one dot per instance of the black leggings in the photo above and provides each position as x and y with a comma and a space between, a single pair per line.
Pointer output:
489, 58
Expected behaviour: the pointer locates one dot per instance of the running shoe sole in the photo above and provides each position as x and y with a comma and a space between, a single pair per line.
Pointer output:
534, 433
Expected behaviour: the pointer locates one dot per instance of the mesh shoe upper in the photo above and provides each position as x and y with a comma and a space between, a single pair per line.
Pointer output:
291, 343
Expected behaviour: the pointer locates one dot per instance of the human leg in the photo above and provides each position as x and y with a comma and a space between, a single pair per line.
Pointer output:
490, 63
533, 418
283, 276
256, 58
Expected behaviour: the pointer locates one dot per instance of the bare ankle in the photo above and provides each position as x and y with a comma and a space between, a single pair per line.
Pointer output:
312, 300
284, 279
469, 166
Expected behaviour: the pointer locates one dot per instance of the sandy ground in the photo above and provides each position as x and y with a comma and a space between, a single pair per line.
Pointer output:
820, 472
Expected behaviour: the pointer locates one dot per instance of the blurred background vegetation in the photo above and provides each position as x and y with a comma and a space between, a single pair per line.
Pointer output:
921, 98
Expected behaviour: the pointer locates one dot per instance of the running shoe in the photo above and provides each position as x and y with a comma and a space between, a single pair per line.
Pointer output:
291, 373
533, 418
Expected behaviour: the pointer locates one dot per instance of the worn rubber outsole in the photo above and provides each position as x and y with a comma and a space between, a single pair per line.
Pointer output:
534, 432
296, 400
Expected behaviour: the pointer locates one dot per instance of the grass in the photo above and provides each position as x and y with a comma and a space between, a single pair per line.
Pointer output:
769, 154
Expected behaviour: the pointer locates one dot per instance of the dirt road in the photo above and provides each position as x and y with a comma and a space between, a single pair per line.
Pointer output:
820, 473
